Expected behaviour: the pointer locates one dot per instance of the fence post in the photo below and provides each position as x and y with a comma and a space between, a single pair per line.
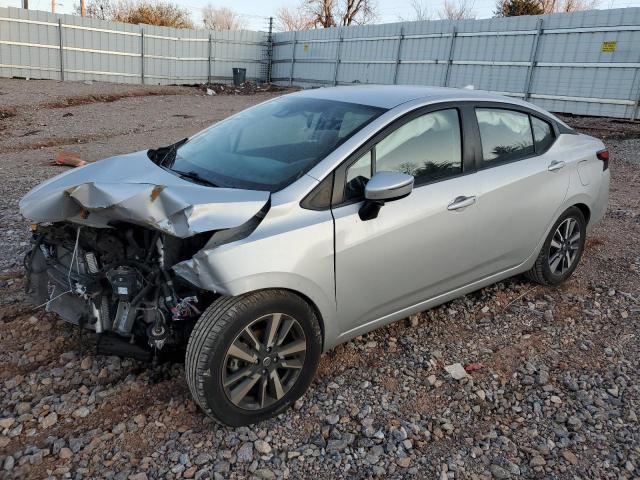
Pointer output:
209, 60
293, 58
61, 50
452, 45
269, 51
335, 71
398, 52
142, 55
636, 109
532, 60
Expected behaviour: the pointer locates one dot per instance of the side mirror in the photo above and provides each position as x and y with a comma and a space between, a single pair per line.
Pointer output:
384, 187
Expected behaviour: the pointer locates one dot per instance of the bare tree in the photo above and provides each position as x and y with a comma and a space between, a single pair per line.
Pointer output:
222, 18
551, 6
162, 13
357, 12
321, 12
288, 19
100, 9
331, 13
420, 12
513, 8
457, 10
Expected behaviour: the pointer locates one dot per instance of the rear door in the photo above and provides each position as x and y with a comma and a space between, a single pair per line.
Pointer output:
522, 178
418, 246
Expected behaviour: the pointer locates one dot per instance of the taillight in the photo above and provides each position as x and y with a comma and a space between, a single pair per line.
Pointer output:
603, 155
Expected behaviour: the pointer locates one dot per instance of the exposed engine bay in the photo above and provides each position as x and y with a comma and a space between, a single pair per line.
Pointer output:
118, 282
121, 246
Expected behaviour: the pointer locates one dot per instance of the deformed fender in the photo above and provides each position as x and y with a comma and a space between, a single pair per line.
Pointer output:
200, 273
132, 188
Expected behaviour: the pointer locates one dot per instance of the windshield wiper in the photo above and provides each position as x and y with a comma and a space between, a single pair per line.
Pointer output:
191, 175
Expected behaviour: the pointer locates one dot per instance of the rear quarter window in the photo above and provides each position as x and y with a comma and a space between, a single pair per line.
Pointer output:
543, 136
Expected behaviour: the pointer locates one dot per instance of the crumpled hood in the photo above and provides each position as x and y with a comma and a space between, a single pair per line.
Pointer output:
132, 188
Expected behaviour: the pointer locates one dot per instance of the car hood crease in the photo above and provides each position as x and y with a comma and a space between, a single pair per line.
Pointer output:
133, 189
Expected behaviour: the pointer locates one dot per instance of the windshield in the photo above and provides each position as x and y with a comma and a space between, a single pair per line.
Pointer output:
271, 145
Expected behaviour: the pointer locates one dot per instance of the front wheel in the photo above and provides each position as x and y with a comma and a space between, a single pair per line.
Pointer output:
250, 357
562, 249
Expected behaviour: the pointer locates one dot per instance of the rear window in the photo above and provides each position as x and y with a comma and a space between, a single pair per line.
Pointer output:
505, 134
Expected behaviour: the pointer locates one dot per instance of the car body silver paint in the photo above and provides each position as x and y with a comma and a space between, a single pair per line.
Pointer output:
417, 253
132, 188
292, 247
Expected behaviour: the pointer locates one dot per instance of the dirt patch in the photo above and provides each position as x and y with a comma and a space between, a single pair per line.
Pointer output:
246, 88
54, 142
106, 98
13, 312
7, 112
604, 128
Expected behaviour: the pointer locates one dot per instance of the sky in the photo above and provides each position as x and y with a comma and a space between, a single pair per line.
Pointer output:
256, 12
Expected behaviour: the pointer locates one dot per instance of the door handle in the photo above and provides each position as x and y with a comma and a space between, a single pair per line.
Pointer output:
461, 202
556, 165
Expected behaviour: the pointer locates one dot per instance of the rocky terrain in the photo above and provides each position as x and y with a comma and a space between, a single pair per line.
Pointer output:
513, 381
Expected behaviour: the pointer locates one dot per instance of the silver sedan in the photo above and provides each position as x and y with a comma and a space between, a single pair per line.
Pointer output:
308, 220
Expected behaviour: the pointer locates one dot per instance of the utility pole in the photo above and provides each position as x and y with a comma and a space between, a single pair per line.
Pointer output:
25, 4
53, 6
82, 8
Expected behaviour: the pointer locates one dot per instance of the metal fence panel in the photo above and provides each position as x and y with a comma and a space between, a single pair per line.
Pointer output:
107, 51
584, 63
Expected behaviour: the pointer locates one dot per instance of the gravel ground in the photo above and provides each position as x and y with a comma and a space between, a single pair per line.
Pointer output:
555, 393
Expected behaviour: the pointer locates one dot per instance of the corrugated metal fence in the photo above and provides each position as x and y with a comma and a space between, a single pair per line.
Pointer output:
586, 63
38, 44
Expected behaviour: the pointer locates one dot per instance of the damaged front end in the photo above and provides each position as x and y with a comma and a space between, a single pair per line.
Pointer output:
116, 283
106, 239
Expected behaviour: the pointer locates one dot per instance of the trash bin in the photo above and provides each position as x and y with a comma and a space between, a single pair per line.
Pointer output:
239, 76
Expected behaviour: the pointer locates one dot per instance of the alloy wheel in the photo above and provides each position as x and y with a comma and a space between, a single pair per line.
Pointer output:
264, 361
564, 246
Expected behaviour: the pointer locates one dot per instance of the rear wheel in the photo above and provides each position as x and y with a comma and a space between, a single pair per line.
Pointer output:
250, 357
562, 249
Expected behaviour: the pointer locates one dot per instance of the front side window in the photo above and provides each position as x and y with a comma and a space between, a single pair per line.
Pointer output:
428, 147
271, 145
358, 174
505, 134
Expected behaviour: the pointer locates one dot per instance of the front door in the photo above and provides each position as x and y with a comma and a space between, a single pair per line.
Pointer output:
419, 246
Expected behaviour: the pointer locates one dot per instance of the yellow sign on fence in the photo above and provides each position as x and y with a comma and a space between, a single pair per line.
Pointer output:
608, 47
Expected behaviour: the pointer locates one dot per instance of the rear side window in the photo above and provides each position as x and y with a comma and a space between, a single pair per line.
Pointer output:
542, 134
505, 134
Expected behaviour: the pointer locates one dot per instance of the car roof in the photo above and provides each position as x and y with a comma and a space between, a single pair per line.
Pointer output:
390, 96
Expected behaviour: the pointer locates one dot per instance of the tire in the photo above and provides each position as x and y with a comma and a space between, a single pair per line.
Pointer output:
230, 325
542, 271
